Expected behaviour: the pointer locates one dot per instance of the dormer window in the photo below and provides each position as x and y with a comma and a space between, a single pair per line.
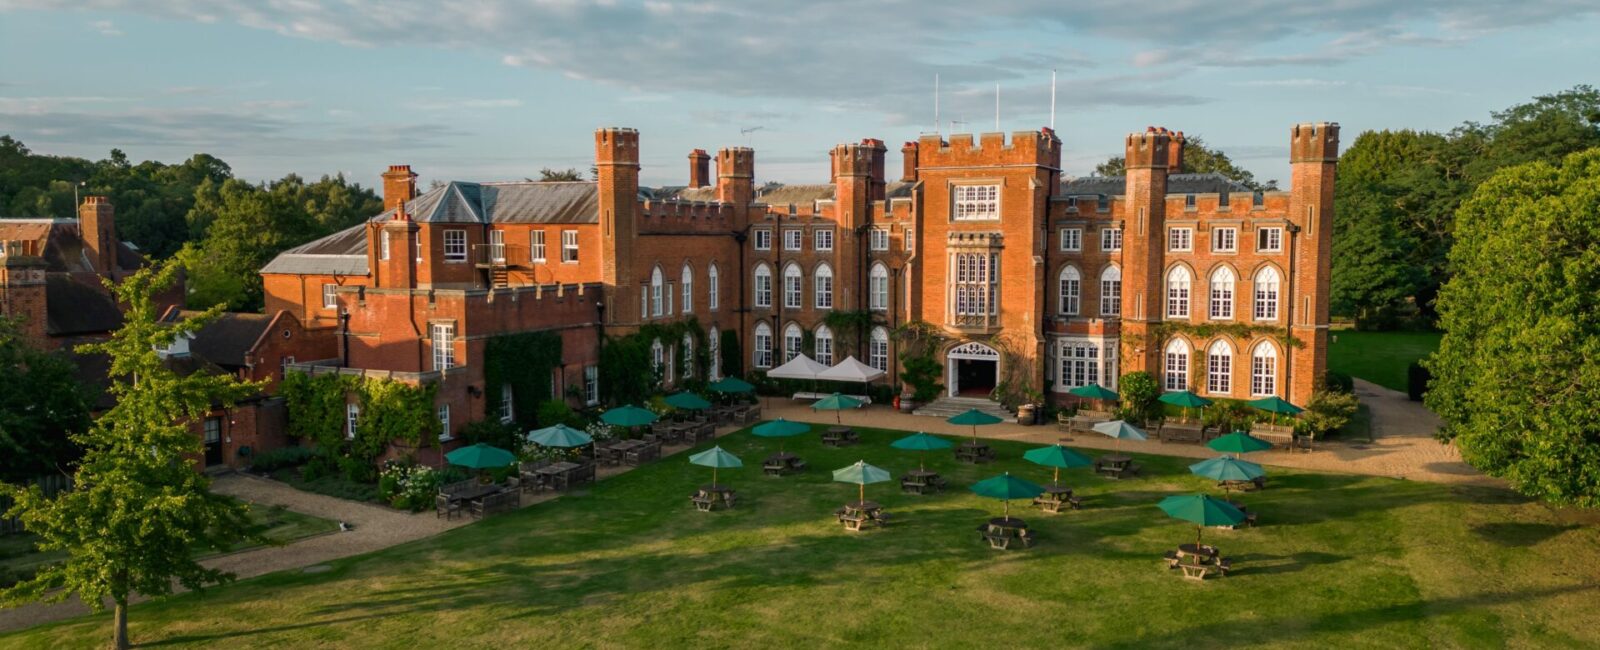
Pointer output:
1258, 199
1188, 202
1102, 203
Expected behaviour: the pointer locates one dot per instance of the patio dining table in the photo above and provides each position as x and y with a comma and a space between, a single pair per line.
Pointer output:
476, 492
555, 475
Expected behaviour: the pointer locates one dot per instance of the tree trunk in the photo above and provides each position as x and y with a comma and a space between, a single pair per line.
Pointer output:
119, 633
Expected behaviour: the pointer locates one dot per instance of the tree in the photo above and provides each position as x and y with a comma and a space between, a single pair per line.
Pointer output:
1139, 391
1197, 159
1517, 374
139, 511
41, 405
572, 174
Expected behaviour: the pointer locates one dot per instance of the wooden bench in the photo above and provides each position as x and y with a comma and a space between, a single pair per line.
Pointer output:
1278, 435
702, 502
496, 503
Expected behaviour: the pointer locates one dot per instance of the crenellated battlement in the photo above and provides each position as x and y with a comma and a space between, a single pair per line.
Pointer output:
1040, 147
1154, 148
1314, 142
863, 159
736, 162
678, 215
616, 145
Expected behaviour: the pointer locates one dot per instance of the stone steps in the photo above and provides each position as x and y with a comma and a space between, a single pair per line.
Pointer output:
945, 407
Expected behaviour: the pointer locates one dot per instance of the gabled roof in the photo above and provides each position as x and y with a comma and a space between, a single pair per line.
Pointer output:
1210, 183
62, 244
228, 339
518, 202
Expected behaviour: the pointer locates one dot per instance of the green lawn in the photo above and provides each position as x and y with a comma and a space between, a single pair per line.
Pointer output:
1379, 357
1339, 561
20, 559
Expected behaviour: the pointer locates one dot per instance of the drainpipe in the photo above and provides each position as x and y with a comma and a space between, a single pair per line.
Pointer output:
1288, 314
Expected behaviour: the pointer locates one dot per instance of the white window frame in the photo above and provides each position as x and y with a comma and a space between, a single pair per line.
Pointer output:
443, 338
1175, 367
352, 420
688, 356
417, 240
761, 285
1267, 287
657, 285
1219, 368
824, 345
569, 247
975, 203
455, 246
713, 287
976, 283
880, 239
714, 350
330, 295
508, 403
1222, 292
1269, 239
793, 286
443, 413
591, 384
793, 239
910, 238
1180, 240
761, 346
1263, 370
1079, 363
822, 288
823, 239
1111, 291
878, 288
761, 239
1070, 291
1225, 240
1110, 239
658, 358
878, 349
536, 248
686, 284
383, 245
1180, 289
1071, 240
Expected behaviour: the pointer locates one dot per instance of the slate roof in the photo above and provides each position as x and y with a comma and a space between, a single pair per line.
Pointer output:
341, 253
226, 340
1211, 183
63, 244
78, 306
516, 202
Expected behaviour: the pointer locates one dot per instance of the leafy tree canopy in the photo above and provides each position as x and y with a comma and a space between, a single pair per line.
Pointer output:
1197, 159
41, 405
139, 511
1517, 374
571, 174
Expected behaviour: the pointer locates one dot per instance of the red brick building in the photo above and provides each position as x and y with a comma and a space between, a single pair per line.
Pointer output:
1035, 280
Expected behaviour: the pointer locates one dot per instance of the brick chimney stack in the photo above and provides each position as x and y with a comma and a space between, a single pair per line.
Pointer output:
399, 185
699, 169
908, 162
97, 226
1175, 144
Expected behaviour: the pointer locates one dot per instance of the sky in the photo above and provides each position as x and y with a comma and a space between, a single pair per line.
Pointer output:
485, 90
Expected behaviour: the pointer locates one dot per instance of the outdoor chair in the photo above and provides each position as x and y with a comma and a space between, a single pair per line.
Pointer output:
1172, 560
1224, 565
444, 506
1075, 502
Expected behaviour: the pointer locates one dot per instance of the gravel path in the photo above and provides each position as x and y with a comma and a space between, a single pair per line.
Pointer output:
1403, 445
374, 528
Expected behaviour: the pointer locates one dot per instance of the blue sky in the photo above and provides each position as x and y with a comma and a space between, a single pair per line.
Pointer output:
494, 90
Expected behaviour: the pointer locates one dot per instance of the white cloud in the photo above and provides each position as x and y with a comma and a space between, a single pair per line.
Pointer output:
106, 28
461, 103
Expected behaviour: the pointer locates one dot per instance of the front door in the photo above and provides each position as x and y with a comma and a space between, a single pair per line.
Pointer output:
973, 369
213, 439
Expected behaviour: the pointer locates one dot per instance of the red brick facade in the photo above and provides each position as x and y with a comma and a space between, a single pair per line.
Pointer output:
980, 236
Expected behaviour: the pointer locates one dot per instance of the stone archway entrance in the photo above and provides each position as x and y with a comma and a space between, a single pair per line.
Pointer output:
973, 369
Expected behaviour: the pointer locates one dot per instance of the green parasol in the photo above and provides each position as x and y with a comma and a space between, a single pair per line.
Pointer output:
1202, 510
921, 442
1227, 468
559, 435
1058, 457
974, 418
1119, 430
780, 428
861, 474
1094, 391
481, 456
1276, 406
628, 416
1238, 442
1185, 400
1007, 487
732, 385
716, 458
836, 403
688, 401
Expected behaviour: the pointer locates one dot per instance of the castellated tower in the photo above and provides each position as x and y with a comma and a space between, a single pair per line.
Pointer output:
1313, 156
616, 157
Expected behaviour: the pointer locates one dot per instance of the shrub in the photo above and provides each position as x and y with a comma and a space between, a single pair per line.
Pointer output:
1326, 413
1139, 392
555, 411
1339, 382
492, 432
268, 461
922, 372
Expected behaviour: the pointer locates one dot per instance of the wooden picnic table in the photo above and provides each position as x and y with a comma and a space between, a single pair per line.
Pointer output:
856, 514
1198, 561
1055, 497
1001, 532
840, 437
974, 452
782, 463
711, 494
921, 481
1116, 466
